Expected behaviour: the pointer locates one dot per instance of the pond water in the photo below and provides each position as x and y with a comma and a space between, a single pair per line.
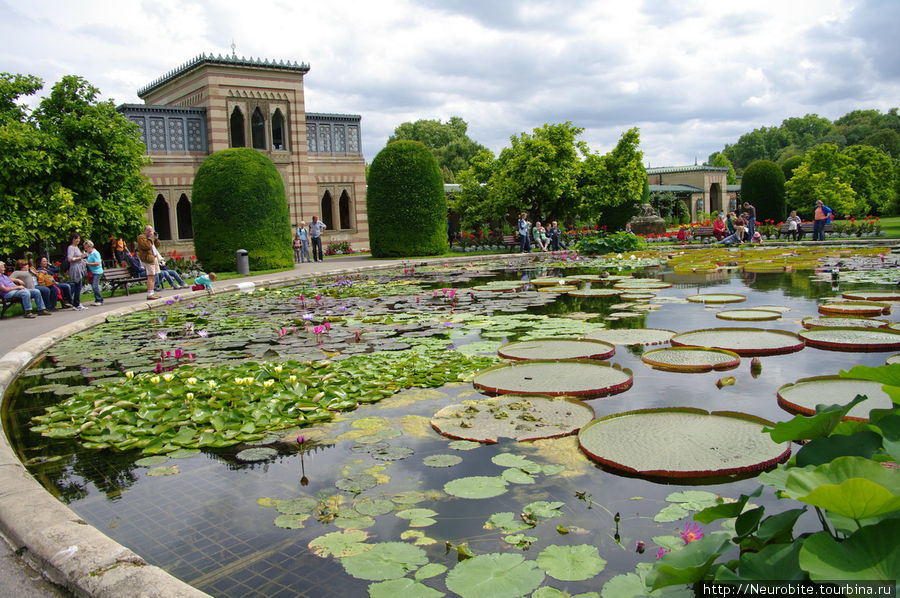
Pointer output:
230, 527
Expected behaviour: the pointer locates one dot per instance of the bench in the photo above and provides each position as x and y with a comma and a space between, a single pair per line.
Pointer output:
7, 303
702, 231
121, 277
510, 241
804, 228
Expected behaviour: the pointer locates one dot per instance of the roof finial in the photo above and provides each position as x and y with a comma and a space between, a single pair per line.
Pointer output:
233, 47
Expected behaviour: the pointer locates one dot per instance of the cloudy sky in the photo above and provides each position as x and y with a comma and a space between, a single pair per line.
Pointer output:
692, 74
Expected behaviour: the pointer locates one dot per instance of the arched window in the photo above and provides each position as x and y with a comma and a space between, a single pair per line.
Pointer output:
258, 130
344, 209
161, 218
278, 130
183, 215
326, 210
237, 128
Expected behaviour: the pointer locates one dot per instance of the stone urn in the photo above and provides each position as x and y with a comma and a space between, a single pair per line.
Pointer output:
648, 222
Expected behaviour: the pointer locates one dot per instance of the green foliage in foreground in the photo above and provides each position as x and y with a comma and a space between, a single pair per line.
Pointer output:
847, 472
198, 407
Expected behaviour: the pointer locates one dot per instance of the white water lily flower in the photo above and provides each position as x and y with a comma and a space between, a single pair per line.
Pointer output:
168, 377
189, 396
278, 369
268, 383
129, 375
155, 379
191, 380
211, 383
292, 378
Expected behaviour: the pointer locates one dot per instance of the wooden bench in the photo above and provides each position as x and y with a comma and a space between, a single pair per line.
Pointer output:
702, 231
510, 241
121, 277
804, 228
7, 303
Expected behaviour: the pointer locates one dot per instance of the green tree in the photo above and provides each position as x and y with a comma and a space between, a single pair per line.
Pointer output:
474, 202
804, 132
13, 87
612, 186
763, 186
239, 203
405, 202
825, 174
760, 144
789, 165
448, 142
720, 160
872, 179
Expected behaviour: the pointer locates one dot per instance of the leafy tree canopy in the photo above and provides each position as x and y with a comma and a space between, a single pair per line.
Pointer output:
825, 174
448, 142
721, 160
75, 163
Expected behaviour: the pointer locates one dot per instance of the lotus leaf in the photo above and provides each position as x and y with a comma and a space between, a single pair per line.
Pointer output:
511, 416
871, 553
495, 575
402, 588
340, 544
557, 348
746, 342
584, 378
476, 487
688, 564
805, 394
716, 298
691, 359
386, 560
292, 521
256, 454
632, 336
571, 563
687, 443
852, 339
442, 460
520, 540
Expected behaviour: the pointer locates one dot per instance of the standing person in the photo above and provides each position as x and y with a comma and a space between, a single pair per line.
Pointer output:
297, 245
793, 221
95, 267
822, 217
11, 288
77, 269
524, 238
729, 223
146, 252
750, 218
303, 233
315, 233
553, 234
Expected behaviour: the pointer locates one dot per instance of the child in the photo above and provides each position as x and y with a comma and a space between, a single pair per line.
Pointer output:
757, 237
204, 281
95, 266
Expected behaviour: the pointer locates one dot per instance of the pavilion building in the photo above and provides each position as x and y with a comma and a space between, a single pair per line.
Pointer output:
703, 188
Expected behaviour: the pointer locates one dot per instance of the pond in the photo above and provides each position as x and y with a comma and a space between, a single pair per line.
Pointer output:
172, 431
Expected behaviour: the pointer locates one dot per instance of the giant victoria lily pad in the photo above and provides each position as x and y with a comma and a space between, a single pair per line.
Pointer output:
681, 442
842, 322
855, 308
691, 359
746, 342
632, 336
748, 315
852, 339
572, 377
803, 395
512, 416
557, 348
716, 298
872, 295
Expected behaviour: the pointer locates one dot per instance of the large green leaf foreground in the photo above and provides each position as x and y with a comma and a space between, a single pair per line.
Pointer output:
681, 442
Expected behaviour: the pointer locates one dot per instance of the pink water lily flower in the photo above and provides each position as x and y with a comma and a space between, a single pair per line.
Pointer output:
691, 533
661, 552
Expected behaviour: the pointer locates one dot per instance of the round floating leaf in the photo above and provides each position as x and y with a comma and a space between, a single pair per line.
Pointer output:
516, 461
511, 416
746, 342
571, 563
852, 339
681, 443
341, 544
632, 336
442, 460
841, 322
476, 487
356, 483
748, 315
891, 359
183, 453
357, 522
596, 292
291, 521
716, 298
297, 506
495, 575
466, 445
691, 359
373, 506
542, 509
387, 560
803, 395
430, 570
557, 289
420, 540
506, 521
393, 453
642, 284
162, 470
402, 588
855, 308
151, 461
557, 348
256, 454
580, 378
517, 476
872, 295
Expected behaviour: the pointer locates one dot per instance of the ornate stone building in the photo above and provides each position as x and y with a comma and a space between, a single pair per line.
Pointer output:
704, 188
213, 103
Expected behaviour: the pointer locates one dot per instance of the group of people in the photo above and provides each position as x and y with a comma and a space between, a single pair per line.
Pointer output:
306, 235
733, 228
547, 239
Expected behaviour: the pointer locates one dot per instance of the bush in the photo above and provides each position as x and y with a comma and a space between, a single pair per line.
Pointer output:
598, 244
789, 165
406, 203
239, 203
763, 187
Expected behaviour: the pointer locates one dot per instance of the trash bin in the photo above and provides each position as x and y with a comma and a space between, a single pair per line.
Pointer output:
243, 262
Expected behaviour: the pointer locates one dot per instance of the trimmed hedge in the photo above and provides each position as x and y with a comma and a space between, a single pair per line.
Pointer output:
405, 201
763, 186
239, 203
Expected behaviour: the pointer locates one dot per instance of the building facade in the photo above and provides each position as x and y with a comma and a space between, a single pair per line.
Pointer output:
704, 188
214, 103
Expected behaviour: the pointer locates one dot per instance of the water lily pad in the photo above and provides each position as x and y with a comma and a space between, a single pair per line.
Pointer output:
356, 483
386, 560
294, 521
297, 506
151, 461
354, 522
476, 487
516, 461
895, 358
163, 470
341, 544
803, 395
716, 298
746, 342
256, 454
855, 308
686, 443
373, 506
557, 348
393, 453
464, 445
507, 522
420, 539
571, 563
863, 295
511, 416
842, 322
596, 292
580, 378
418, 517
402, 588
852, 339
632, 336
748, 315
495, 575
691, 359
542, 509
442, 460
517, 476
